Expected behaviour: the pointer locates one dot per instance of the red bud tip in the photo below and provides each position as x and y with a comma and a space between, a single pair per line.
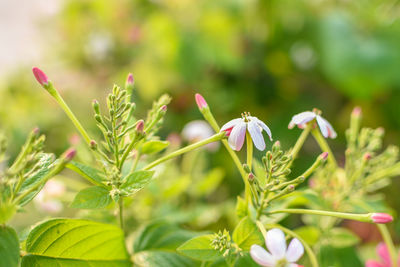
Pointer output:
36, 130
163, 108
367, 156
201, 102
324, 155
140, 126
251, 176
381, 218
130, 79
69, 154
40, 76
357, 111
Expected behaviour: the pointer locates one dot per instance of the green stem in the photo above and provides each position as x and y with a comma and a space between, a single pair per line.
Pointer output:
366, 217
214, 138
249, 147
211, 120
324, 145
300, 142
310, 253
389, 243
69, 113
121, 210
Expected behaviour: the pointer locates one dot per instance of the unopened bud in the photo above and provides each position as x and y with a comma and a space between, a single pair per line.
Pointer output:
97, 117
246, 168
324, 155
251, 177
290, 188
381, 218
93, 144
96, 106
201, 102
163, 108
356, 112
40, 76
301, 179
69, 154
367, 156
140, 126
129, 82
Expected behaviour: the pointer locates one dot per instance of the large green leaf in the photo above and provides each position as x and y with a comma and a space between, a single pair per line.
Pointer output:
162, 259
45, 167
247, 234
9, 247
71, 242
200, 248
342, 237
136, 181
91, 174
95, 197
154, 146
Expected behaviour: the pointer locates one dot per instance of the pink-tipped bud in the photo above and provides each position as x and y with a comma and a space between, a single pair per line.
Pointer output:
140, 126
69, 154
40, 76
251, 177
36, 131
163, 108
367, 156
381, 218
129, 82
93, 144
201, 102
324, 155
357, 112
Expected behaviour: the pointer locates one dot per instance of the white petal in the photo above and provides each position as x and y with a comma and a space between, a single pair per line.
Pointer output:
276, 243
293, 265
302, 118
256, 135
295, 250
326, 128
264, 126
261, 256
236, 138
230, 124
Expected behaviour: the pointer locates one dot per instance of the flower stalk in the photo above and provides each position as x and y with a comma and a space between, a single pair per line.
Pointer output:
324, 146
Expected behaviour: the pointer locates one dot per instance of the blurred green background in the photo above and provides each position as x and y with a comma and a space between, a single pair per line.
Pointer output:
273, 58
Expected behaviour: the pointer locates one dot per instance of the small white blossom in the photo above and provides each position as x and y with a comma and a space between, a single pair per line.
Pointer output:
279, 254
236, 130
303, 118
199, 130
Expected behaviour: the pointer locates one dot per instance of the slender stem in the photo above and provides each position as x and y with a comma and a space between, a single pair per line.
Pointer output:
324, 145
214, 138
389, 243
71, 115
366, 217
310, 253
136, 161
249, 147
121, 214
211, 120
300, 142
128, 150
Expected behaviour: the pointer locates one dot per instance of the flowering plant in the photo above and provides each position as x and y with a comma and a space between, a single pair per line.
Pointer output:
127, 156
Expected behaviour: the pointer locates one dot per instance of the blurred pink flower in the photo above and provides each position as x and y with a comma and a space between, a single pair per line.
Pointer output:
383, 253
199, 130
46, 200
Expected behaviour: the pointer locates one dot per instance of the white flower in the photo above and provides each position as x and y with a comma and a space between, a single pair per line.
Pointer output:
303, 118
278, 254
46, 199
236, 130
198, 130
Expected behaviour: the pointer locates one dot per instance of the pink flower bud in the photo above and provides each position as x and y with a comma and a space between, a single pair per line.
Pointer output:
357, 111
40, 76
93, 144
381, 218
140, 126
324, 155
163, 108
367, 156
130, 79
201, 102
69, 154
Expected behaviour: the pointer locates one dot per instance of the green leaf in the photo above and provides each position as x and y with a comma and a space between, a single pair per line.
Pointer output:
310, 234
9, 247
45, 167
247, 234
241, 207
246, 260
342, 237
162, 259
95, 197
71, 242
7, 211
161, 235
200, 248
91, 174
210, 182
136, 181
154, 146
